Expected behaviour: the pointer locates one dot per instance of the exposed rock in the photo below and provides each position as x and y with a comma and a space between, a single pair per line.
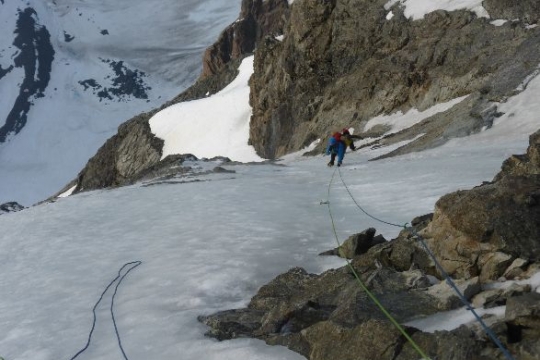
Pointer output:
524, 311
232, 324
258, 18
526, 10
297, 300
516, 269
9, 207
34, 57
133, 149
357, 244
328, 316
401, 254
341, 62
498, 297
525, 164
447, 299
493, 265
375, 339
523, 319
476, 232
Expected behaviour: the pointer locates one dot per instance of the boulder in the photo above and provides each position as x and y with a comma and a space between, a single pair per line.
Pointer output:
357, 244
524, 311
493, 265
499, 296
516, 269
447, 298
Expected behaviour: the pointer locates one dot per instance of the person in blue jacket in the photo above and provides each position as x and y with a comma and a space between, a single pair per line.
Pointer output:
338, 144
335, 148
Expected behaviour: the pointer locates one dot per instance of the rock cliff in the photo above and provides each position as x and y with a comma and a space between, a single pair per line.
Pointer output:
342, 62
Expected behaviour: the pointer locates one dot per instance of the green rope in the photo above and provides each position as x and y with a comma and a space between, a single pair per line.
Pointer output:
366, 290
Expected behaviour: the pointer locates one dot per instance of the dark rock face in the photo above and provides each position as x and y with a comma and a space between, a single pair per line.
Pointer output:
35, 57
125, 83
257, 19
341, 62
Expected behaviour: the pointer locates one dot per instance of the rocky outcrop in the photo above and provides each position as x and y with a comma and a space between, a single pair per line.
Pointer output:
133, 149
525, 164
258, 18
173, 169
342, 62
526, 10
10, 207
480, 232
357, 244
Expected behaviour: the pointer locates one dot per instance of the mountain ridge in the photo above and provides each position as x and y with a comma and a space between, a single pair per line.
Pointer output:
294, 106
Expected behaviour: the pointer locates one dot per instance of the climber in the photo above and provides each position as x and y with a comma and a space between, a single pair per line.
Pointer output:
347, 139
335, 147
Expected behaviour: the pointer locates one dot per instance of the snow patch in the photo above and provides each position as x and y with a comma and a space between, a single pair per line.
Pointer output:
417, 9
217, 125
498, 22
68, 192
399, 121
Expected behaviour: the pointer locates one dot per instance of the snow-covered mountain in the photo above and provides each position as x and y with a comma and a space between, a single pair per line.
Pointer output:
205, 238
208, 241
72, 71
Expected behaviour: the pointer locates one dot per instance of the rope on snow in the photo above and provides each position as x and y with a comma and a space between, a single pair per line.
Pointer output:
120, 277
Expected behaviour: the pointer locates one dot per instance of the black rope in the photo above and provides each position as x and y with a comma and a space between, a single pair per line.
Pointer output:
118, 278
